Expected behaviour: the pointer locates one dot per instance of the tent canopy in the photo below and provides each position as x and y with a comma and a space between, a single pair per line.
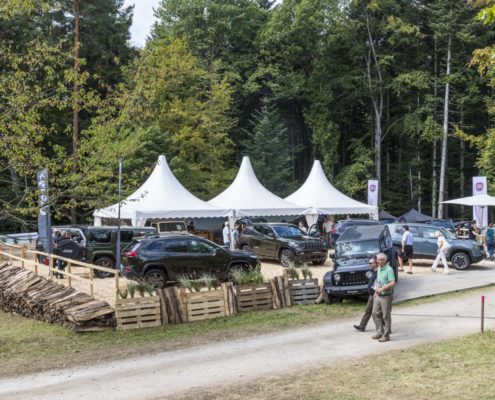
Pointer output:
481, 200
414, 216
248, 197
319, 195
160, 196
385, 215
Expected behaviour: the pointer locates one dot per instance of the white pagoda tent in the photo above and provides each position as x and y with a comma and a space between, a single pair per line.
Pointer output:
246, 196
319, 196
160, 196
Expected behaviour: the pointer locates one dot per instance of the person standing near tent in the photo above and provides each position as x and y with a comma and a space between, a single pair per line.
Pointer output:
407, 249
443, 248
473, 230
490, 240
226, 234
236, 236
302, 226
327, 226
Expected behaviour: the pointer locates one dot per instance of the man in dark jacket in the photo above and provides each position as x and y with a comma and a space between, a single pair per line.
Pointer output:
369, 306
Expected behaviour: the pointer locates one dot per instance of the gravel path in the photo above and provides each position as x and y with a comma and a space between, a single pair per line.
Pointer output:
169, 373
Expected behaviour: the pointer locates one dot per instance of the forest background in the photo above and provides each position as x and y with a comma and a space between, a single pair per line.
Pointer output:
398, 90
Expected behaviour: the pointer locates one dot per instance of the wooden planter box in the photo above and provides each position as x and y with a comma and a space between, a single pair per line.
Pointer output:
254, 297
304, 291
140, 312
206, 305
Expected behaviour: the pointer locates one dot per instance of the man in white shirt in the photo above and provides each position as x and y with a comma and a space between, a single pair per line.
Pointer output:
226, 235
407, 249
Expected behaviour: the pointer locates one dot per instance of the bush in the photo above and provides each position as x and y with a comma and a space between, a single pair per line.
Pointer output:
242, 277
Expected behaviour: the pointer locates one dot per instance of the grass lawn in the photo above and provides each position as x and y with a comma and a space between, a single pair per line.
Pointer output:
29, 346
460, 368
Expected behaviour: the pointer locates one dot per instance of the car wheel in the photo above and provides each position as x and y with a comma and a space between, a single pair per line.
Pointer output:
286, 257
321, 261
460, 260
246, 248
106, 262
156, 277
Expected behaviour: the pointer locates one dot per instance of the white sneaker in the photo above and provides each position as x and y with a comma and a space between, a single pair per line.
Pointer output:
445, 273
433, 269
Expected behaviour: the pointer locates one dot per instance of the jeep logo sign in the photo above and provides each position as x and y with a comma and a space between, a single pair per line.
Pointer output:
479, 186
372, 188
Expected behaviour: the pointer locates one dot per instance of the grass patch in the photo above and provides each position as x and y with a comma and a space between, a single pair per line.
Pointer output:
460, 368
29, 346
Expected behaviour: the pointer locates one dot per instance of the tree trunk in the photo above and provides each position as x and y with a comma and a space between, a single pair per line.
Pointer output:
75, 98
461, 164
419, 180
377, 102
434, 151
443, 160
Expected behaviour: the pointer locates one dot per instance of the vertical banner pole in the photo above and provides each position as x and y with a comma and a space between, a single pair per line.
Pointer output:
482, 314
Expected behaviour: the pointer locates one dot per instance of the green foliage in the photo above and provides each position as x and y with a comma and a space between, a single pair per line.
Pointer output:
292, 272
352, 179
242, 277
306, 273
268, 148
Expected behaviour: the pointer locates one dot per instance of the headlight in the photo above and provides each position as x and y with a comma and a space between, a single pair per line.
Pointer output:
369, 274
337, 277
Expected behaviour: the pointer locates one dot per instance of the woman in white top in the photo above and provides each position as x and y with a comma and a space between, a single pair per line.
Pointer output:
443, 248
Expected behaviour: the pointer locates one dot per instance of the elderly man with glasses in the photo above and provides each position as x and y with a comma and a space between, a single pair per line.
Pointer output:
382, 304
369, 306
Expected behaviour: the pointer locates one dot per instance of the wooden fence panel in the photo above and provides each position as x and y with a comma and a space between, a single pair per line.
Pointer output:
254, 297
140, 312
304, 291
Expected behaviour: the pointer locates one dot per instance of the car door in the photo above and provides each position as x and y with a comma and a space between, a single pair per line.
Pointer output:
270, 243
429, 241
201, 257
208, 258
177, 257
257, 241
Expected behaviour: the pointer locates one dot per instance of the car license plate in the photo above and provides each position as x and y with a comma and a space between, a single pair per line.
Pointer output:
352, 292
316, 252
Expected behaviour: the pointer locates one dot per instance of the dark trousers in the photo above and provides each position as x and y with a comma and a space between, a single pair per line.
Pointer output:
367, 313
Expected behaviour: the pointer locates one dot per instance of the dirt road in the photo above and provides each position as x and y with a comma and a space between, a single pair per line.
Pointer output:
166, 374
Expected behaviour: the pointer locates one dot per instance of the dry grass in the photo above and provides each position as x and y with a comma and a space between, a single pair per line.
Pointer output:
459, 368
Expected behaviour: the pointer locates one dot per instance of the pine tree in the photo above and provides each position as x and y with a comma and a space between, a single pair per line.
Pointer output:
268, 148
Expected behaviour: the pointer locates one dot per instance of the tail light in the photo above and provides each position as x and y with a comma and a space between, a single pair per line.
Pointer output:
46, 262
130, 254
333, 230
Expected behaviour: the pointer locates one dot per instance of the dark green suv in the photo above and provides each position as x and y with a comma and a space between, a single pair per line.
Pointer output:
283, 242
98, 243
163, 259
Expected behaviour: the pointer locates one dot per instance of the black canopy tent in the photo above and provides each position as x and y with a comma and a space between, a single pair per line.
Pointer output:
385, 215
414, 216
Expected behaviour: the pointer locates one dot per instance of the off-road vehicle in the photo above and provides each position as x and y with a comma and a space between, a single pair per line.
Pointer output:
163, 259
351, 271
283, 242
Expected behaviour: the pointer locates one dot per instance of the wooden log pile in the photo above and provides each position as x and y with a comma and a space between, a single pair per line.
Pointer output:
32, 296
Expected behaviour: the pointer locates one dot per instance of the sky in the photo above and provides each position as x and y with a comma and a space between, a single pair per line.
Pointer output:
143, 19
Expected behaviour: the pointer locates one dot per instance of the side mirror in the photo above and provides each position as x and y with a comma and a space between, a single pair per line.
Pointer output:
332, 256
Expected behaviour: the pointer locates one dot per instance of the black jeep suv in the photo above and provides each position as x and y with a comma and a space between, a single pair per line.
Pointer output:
351, 271
283, 242
165, 258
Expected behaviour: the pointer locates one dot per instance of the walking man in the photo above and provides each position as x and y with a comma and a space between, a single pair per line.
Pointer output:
407, 249
371, 292
382, 303
443, 248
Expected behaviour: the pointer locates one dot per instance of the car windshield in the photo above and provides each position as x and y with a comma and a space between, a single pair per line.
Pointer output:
288, 231
365, 247
448, 234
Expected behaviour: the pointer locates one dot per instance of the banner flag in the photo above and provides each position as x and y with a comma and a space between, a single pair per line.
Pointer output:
480, 214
